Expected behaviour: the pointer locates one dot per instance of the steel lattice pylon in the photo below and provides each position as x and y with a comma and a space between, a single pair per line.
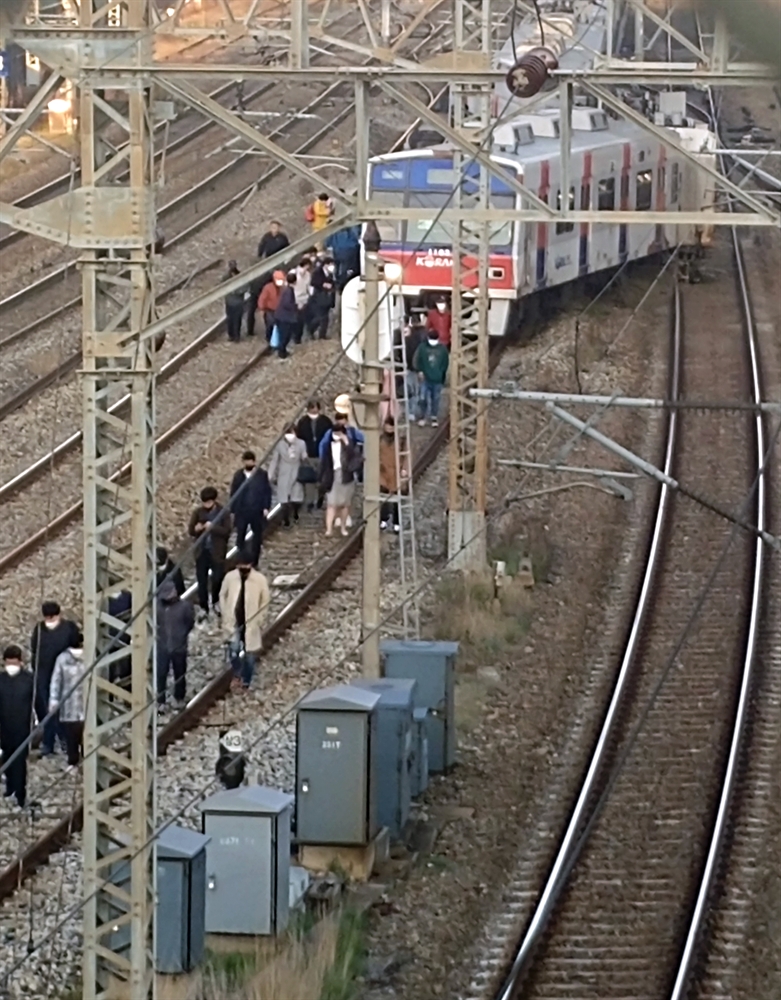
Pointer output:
469, 350
119, 534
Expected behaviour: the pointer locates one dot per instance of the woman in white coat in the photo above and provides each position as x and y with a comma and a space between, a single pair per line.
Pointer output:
286, 460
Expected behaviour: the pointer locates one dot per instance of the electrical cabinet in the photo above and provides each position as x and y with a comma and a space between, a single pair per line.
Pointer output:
335, 786
432, 665
393, 749
419, 769
247, 860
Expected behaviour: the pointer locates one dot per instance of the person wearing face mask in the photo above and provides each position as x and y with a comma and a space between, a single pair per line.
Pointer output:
286, 461
312, 428
67, 697
175, 621
440, 320
49, 638
286, 314
302, 290
244, 600
340, 462
269, 300
250, 501
16, 706
322, 299
210, 524
431, 363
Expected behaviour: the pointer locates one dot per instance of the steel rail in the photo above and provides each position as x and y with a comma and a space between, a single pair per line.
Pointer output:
61, 272
556, 881
729, 781
46, 461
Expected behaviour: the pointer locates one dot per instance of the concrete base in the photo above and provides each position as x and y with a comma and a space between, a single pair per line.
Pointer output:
357, 862
241, 944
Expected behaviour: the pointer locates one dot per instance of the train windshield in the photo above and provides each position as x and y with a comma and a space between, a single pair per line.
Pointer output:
425, 183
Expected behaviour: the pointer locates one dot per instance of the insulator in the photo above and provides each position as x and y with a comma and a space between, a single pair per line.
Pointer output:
531, 72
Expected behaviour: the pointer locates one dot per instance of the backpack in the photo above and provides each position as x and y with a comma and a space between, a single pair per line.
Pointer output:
309, 213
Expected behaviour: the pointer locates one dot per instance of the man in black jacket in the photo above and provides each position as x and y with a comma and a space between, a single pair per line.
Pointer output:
234, 304
312, 428
271, 243
167, 569
16, 706
250, 501
322, 299
50, 637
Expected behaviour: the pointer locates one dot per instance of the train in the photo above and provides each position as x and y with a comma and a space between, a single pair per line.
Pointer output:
615, 164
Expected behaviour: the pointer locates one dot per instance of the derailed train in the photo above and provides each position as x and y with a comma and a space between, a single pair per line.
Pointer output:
614, 165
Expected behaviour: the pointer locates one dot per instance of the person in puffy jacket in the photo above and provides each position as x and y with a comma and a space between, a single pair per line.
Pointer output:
175, 621
319, 214
67, 697
345, 248
286, 314
431, 362
269, 300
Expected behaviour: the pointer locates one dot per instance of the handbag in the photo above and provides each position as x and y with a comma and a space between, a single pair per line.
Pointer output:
276, 338
306, 474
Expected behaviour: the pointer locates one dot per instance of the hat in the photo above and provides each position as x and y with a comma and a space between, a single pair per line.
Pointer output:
342, 404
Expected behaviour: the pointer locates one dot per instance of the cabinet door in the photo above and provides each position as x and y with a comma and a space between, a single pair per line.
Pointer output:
331, 775
239, 874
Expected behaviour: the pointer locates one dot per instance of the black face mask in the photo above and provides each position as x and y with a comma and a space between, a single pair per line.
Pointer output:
244, 572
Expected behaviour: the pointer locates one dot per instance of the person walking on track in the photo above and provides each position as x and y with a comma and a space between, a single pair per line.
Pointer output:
250, 501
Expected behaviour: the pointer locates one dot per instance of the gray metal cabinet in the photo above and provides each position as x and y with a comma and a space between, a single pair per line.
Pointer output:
335, 788
247, 860
419, 769
181, 899
392, 750
432, 665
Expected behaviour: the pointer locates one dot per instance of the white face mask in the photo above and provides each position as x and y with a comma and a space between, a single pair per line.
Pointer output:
432, 343
12, 669
290, 438
52, 624
78, 653
441, 306
279, 284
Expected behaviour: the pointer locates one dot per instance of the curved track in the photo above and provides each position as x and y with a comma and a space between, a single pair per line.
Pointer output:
632, 876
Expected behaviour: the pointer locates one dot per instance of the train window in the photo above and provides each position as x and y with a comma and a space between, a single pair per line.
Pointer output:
441, 176
606, 195
390, 229
645, 183
565, 227
675, 183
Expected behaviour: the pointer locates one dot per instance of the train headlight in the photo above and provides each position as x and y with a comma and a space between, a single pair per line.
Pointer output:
392, 272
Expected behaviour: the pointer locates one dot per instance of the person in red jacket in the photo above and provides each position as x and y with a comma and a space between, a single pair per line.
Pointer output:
268, 300
440, 320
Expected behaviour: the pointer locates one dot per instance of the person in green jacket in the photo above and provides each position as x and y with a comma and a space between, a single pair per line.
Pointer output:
430, 362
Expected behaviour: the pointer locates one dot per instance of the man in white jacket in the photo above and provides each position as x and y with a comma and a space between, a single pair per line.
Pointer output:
244, 600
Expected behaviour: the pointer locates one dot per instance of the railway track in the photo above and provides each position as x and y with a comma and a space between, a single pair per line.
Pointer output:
634, 870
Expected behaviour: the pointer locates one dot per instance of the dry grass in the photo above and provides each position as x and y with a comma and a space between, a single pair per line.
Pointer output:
320, 965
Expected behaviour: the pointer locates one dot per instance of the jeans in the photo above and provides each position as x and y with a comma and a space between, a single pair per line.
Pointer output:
268, 319
234, 314
177, 662
413, 392
16, 774
430, 394
257, 524
242, 662
204, 562
74, 741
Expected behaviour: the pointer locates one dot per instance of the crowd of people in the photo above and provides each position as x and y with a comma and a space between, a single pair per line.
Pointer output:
316, 463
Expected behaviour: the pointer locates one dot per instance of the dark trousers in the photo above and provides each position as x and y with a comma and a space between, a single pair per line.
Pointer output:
318, 322
204, 562
287, 331
74, 740
177, 662
252, 308
389, 511
268, 319
234, 315
51, 728
298, 332
16, 775
257, 526
287, 510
